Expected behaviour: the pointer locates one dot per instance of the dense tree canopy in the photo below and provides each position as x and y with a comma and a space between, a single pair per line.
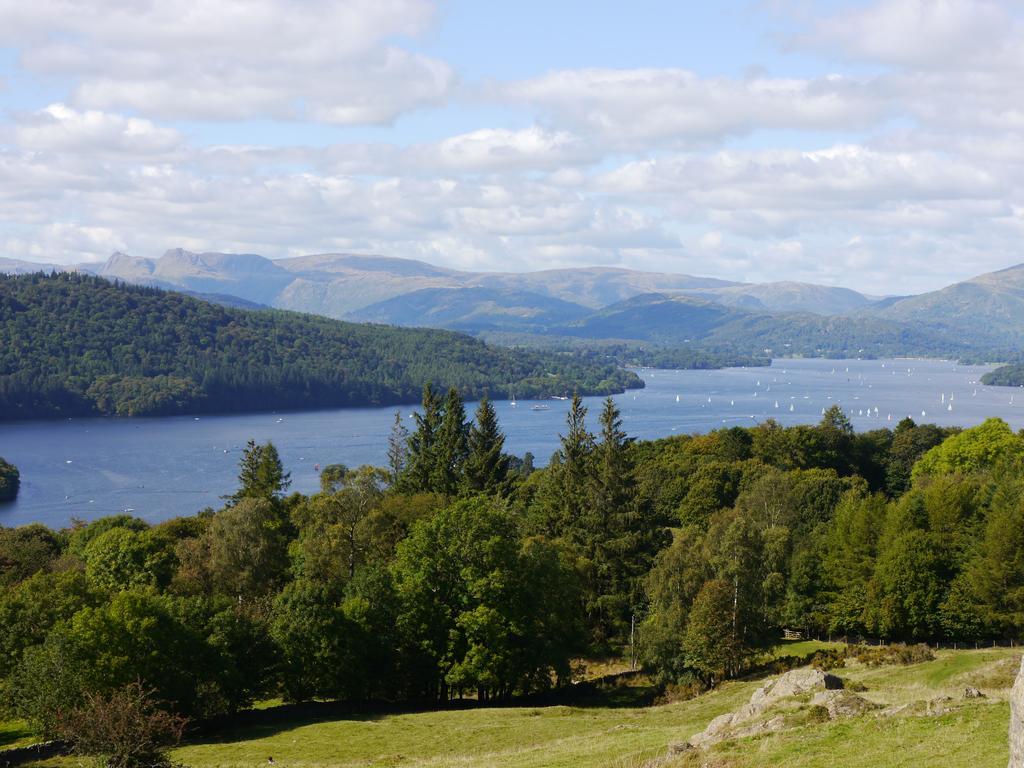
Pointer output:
73, 344
461, 571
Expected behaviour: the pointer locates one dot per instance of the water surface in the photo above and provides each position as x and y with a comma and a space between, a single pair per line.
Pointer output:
159, 468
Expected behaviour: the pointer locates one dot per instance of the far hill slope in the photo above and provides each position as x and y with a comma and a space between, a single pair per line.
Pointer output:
340, 285
473, 309
791, 297
677, 320
75, 345
987, 309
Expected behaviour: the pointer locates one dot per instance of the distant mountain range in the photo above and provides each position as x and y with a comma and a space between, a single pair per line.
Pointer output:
983, 316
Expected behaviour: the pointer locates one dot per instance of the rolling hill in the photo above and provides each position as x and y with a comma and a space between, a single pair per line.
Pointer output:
679, 320
73, 344
474, 310
979, 319
988, 309
351, 286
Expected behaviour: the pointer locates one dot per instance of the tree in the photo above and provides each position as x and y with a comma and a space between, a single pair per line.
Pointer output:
993, 580
331, 542
332, 477
714, 647
310, 630
562, 500
398, 449
837, 441
450, 456
909, 443
618, 534
261, 474
675, 579
25, 551
907, 592
737, 554
487, 466
123, 559
417, 476
977, 449
248, 548
30, 610
479, 610
135, 637
849, 554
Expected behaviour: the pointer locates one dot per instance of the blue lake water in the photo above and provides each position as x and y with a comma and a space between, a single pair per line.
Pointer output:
159, 468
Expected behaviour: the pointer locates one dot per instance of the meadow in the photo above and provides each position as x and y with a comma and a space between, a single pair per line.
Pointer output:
612, 729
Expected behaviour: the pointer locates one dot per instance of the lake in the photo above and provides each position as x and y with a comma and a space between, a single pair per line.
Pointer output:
159, 468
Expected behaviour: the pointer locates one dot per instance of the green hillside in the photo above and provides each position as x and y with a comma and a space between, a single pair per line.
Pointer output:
74, 345
972, 734
612, 730
710, 326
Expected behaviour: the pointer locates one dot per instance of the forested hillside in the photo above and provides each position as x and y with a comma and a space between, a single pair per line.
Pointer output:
74, 345
1005, 376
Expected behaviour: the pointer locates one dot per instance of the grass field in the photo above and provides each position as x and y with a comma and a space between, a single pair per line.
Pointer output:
608, 732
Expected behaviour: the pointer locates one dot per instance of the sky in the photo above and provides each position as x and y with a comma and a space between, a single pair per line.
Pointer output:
876, 145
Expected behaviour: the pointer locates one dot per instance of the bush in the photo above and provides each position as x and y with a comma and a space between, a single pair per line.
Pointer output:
893, 654
689, 686
125, 729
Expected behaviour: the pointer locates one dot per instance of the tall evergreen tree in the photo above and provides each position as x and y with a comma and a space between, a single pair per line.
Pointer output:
572, 474
487, 466
450, 456
398, 449
620, 537
421, 458
261, 474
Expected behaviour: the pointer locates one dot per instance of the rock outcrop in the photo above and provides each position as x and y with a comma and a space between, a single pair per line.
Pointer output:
1017, 721
746, 721
842, 703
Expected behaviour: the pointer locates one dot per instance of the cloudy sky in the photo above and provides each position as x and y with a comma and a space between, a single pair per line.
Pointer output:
874, 145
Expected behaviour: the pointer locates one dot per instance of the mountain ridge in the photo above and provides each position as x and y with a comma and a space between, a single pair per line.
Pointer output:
983, 315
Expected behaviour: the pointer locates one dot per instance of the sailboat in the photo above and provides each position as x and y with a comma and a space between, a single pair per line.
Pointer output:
512, 396
677, 398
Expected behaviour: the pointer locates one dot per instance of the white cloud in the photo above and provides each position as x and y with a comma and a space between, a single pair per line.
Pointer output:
61, 128
633, 106
658, 168
941, 34
503, 149
318, 59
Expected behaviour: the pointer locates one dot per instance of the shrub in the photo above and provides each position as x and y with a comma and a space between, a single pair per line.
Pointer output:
124, 729
898, 653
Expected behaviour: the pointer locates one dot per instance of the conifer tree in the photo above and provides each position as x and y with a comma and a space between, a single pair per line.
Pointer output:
487, 466
450, 456
419, 468
398, 449
621, 537
571, 469
261, 474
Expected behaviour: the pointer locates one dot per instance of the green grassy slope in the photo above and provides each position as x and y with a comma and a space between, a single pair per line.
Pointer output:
972, 735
